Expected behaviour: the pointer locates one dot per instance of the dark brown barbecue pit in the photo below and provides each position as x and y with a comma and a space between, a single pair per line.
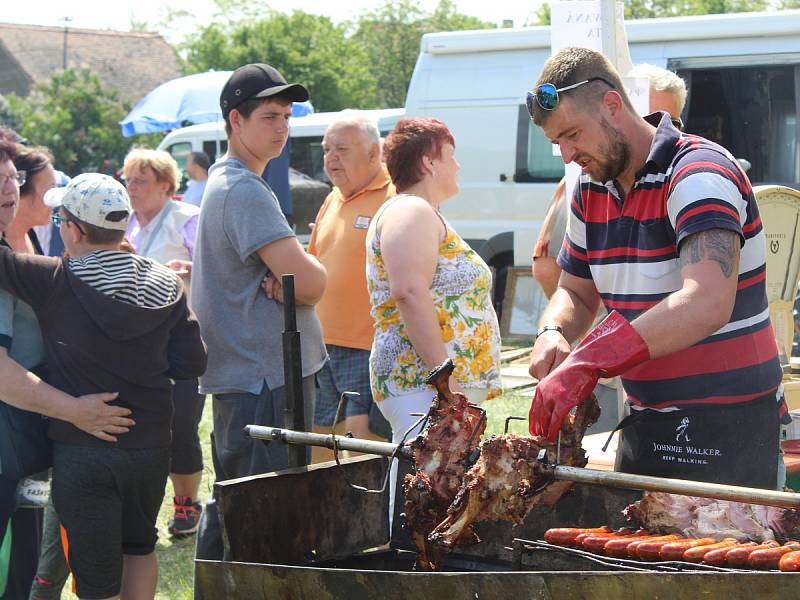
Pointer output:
308, 533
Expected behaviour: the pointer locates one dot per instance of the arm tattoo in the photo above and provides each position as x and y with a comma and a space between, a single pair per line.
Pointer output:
719, 245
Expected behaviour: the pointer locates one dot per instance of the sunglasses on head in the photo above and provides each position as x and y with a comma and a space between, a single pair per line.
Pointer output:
546, 95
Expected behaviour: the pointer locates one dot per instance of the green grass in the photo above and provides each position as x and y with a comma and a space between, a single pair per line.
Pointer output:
176, 556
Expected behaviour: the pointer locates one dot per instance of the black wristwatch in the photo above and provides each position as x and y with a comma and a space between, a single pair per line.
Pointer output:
549, 328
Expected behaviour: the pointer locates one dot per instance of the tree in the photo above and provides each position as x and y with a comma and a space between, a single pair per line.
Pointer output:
74, 116
391, 37
307, 48
647, 9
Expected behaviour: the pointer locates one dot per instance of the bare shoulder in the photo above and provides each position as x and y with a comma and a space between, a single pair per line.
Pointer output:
718, 245
408, 210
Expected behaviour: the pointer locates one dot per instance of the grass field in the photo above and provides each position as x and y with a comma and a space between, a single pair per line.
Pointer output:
176, 556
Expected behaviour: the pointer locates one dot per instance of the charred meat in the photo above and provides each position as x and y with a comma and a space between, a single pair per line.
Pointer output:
504, 485
440, 456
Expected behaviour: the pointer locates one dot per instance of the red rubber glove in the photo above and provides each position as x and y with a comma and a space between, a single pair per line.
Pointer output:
609, 349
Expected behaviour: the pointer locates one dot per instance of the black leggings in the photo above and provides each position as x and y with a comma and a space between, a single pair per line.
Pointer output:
186, 453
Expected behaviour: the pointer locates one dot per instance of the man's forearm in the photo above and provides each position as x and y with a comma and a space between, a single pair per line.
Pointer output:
569, 312
681, 320
709, 263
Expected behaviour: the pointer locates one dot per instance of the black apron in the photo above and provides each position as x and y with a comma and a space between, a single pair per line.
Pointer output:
733, 444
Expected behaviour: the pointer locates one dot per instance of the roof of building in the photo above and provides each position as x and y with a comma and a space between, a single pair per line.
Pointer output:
131, 62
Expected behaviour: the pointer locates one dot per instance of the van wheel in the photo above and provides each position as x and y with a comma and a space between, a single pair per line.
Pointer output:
501, 264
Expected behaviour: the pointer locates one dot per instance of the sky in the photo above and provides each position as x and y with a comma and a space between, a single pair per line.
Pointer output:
118, 14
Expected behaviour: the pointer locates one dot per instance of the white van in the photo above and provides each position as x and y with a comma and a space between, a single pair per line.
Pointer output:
305, 134
743, 74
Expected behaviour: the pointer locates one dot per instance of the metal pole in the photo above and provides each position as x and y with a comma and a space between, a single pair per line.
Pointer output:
579, 475
292, 371
287, 436
64, 53
683, 487
608, 21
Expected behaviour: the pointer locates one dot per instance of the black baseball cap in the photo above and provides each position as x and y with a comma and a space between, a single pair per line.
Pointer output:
257, 80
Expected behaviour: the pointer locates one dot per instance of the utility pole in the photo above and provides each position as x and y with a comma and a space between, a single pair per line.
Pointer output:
66, 30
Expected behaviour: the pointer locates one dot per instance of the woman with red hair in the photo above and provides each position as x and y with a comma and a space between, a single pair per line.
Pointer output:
430, 292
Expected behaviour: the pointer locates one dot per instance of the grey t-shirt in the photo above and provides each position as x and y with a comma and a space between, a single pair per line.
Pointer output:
241, 327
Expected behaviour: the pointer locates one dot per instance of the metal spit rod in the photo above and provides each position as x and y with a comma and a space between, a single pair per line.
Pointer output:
579, 475
287, 436
683, 487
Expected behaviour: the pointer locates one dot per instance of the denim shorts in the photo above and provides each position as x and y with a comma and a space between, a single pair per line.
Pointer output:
347, 370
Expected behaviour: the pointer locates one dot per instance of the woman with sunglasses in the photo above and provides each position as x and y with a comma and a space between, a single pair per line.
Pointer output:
37, 164
21, 366
430, 292
665, 232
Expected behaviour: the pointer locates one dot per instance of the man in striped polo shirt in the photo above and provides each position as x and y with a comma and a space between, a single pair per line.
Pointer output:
664, 230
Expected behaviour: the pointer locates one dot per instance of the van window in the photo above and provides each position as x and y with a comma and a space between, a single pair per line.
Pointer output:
535, 160
179, 152
210, 148
751, 111
305, 155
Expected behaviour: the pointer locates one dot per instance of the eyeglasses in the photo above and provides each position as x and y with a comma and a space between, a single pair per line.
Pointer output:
19, 178
59, 220
546, 95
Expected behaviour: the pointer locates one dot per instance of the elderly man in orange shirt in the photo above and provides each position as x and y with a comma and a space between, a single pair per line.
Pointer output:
353, 161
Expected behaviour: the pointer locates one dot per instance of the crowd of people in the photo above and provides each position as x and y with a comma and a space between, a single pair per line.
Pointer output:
662, 231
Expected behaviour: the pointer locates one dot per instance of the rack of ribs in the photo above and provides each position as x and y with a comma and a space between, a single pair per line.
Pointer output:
504, 484
441, 455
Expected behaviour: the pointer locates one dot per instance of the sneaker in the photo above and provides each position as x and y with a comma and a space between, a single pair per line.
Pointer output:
186, 518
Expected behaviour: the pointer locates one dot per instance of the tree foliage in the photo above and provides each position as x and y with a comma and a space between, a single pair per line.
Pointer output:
647, 9
77, 119
391, 37
367, 64
307, 48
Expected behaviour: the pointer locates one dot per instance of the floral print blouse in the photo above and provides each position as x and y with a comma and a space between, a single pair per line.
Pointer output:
461, 292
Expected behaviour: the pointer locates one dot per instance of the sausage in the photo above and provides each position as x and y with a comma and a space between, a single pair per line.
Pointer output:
770, 558
596, 542
650, 548
695, 555
675, 550
738, 555
581, 539
617, 546
565, 536
717, 557
790, 562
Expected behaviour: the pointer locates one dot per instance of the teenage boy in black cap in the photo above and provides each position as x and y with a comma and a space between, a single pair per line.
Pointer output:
244, 244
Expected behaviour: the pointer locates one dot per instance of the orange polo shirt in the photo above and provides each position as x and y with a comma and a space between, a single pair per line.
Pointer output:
339, 240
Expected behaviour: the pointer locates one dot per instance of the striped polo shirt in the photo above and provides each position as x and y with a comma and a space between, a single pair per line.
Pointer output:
630, 250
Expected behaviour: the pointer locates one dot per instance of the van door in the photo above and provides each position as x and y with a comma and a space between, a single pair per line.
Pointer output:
750, 109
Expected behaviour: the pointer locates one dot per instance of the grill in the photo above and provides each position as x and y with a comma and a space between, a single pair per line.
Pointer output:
539, 555
305, 533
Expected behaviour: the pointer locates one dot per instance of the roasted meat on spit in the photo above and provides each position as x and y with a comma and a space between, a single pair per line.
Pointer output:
504, 485
440, 456
707, 517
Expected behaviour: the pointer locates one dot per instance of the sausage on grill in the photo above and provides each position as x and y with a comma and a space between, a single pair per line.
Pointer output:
565, 536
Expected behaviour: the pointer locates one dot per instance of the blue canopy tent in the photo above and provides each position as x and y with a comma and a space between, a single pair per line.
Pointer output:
195, 98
